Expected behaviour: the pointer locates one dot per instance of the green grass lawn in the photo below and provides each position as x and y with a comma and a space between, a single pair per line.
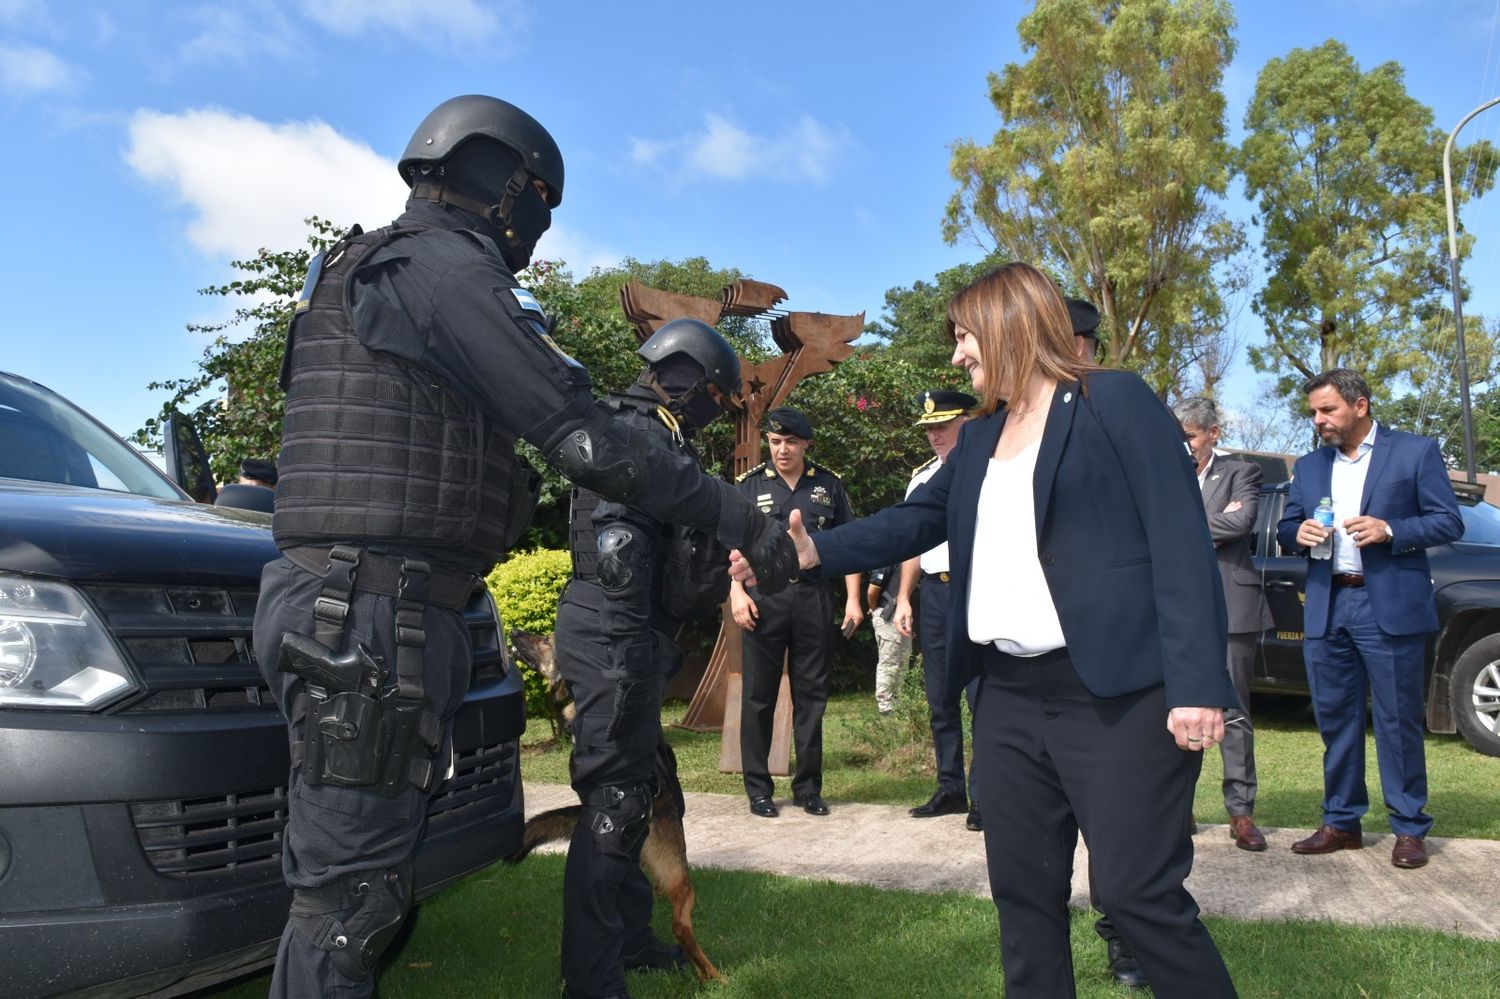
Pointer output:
497, 933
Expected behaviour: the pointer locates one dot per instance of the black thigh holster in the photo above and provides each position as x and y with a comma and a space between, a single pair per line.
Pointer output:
359, 731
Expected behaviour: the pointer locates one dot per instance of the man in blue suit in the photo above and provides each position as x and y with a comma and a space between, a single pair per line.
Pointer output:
1369, 607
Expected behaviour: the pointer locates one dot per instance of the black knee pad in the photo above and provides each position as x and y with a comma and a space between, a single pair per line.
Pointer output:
355, 919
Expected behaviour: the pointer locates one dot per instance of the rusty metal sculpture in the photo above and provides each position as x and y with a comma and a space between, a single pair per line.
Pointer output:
811, 343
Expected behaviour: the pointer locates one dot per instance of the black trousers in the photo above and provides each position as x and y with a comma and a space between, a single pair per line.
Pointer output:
607, 898
332, 832
1053, 759
946, 709
797, 624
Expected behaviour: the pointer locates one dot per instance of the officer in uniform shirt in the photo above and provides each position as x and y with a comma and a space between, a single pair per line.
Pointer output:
635, 580
414, 362
942, 413
793, 624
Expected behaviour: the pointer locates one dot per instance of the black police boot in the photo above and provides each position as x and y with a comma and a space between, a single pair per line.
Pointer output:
1124, 967
656, 956
941, 803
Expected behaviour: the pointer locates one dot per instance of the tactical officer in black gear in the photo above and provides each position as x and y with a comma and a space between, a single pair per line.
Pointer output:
635, 579
413, 363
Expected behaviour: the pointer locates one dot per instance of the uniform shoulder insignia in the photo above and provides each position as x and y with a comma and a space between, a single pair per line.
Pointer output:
745, 475
814, 468
923, 467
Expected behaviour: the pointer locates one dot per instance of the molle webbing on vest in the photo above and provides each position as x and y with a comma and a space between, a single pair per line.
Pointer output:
375, 448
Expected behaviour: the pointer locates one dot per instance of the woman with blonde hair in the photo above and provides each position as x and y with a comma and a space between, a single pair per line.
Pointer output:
1087, 600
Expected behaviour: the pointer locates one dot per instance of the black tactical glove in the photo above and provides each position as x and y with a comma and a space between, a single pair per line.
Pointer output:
762, 541
772, 555
634, 697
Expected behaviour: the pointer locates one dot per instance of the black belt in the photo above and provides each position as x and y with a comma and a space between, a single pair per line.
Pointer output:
936, 577
1348, 579
381, 574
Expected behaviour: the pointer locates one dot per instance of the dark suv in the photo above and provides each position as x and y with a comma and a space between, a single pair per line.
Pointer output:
1463, 658
145, 791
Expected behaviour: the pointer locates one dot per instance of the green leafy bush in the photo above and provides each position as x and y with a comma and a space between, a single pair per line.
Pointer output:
527, 586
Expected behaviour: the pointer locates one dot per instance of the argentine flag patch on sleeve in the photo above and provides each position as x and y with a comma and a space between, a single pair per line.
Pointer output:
527, 300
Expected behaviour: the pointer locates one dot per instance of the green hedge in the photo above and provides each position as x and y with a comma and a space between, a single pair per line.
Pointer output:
527, 586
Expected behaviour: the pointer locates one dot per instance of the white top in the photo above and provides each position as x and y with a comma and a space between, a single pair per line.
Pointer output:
1009, 602
1347, 487
934, 559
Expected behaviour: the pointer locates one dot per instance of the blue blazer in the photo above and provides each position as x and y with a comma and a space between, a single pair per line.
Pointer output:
1406, 486
1121, 536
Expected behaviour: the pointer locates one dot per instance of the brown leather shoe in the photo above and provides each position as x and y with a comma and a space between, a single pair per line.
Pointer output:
1409, 852
1328, 840
1246, 836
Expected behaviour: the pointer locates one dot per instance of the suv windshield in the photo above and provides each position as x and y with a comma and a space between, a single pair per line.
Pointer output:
48, 439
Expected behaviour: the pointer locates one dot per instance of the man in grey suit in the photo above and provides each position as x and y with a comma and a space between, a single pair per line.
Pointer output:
1231, 496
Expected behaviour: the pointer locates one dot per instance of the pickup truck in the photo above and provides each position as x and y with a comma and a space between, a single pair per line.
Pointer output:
145, 792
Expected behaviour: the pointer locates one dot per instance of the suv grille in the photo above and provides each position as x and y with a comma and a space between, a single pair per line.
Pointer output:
190, 645
198, 836
201, 835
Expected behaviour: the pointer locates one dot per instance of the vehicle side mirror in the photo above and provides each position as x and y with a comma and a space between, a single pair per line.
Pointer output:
187, 459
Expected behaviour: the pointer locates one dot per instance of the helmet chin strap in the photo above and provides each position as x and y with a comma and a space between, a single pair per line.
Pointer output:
677, 405
497, 215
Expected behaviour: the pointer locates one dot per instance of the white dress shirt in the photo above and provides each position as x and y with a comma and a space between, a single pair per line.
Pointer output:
934, 559
1347, 487
1009, 602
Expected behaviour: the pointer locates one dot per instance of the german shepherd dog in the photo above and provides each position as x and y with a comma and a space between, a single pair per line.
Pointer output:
664, 853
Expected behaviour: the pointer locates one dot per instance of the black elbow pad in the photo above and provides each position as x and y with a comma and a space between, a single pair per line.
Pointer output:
598, 456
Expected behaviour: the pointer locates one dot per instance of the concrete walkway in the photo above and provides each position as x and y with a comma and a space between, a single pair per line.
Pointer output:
881, 845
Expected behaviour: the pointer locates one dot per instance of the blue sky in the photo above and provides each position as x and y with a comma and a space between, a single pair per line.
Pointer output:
150, 142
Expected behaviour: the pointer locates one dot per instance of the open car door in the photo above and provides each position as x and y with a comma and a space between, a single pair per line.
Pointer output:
186, 458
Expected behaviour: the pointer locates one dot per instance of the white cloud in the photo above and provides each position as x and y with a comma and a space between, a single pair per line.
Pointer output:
723, 150
249, 184
16, 10
459, 22
240, 34
26, 70
580, 253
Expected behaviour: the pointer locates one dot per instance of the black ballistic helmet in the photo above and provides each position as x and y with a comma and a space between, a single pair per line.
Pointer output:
702, 343
455, 121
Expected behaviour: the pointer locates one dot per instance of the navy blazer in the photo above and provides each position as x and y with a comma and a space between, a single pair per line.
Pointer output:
1406, 486
1121, 536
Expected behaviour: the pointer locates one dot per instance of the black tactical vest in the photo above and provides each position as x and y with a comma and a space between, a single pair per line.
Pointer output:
376, 449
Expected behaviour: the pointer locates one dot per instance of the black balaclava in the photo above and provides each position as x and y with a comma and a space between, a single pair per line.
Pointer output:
681, 380
481, 169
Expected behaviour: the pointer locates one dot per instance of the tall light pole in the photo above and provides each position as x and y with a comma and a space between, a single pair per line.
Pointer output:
1458, 305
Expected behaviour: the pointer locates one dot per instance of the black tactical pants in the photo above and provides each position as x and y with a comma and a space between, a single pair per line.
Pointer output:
342, 834
607, 898
796, 623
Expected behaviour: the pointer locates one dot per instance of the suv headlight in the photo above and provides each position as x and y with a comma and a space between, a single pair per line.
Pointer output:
54, 651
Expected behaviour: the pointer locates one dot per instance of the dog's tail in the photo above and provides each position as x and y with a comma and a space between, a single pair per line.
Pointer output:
545, 827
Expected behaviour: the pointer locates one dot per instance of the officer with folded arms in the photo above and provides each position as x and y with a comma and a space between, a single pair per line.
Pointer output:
414, 363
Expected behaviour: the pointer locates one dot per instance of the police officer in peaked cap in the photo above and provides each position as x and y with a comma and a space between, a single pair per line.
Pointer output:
414, 363
795, 624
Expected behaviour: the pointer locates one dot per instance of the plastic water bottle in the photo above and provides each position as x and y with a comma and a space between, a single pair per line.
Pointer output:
1324, 516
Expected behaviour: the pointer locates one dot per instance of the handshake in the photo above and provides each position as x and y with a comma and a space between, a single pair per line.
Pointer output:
772, 560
